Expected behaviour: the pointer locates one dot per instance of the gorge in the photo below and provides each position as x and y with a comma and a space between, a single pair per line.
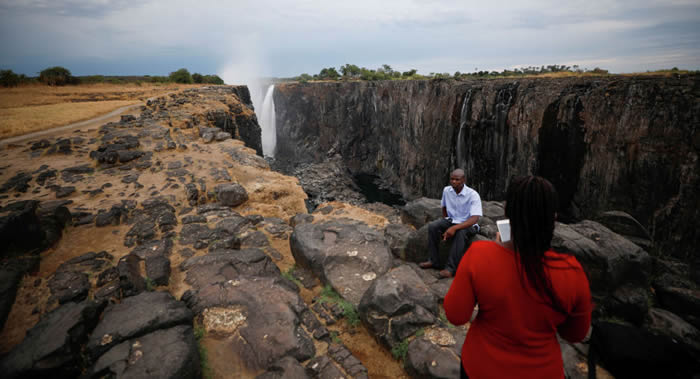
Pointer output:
165, 244
607, 143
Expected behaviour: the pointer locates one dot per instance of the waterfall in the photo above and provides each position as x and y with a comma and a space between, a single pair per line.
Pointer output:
461, 158
267, 123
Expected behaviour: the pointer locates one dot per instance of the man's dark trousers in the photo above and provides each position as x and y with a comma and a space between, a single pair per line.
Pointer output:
460, 243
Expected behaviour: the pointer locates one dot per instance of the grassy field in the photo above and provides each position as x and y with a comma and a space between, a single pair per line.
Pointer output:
32, 108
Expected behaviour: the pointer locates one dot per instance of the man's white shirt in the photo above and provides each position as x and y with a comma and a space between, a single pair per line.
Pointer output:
460, 206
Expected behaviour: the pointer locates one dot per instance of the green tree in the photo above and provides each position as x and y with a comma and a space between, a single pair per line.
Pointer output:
212, 79
350, 71
9, 78
409, 73
329, 73
197, 78
181, 76
57, 76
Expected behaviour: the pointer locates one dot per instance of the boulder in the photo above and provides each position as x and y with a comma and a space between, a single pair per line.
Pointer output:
625, 225
684, 302
397, 304
231, 195
609, 259
286, 367
397, 236
630, 352
166, 353
436, 354
52, 348
421, 211
349, 257
226, 265
260, 317
136, 316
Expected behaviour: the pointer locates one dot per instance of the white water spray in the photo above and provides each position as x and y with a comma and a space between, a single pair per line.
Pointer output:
267, 123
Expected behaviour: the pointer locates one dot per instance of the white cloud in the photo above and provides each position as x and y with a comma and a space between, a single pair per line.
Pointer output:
289, 37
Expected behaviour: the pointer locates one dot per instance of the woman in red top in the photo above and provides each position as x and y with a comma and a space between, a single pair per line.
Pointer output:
526, 293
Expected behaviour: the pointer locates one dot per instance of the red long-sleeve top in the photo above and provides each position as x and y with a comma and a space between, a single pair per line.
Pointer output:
514, 333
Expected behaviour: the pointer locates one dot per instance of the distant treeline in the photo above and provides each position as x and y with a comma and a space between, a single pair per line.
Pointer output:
60, 76
385, 72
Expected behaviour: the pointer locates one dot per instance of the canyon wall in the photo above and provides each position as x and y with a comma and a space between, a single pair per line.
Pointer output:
607, 143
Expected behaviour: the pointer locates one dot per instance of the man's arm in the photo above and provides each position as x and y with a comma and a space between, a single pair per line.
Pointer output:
444, 212
449, 233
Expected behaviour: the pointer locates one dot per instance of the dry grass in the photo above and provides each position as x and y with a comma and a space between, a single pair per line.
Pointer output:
36, 107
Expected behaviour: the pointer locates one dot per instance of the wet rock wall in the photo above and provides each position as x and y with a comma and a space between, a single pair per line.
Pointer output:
607, 143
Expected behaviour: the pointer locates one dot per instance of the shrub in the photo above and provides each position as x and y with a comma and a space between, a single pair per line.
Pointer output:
181, 76
212, 79
9, 78
197, 78
57, 76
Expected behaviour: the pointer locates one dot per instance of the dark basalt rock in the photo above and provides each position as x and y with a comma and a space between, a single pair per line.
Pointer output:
397, 304
630, 352
69, 286
440, 359
44, 176
346, 256
130, 280
232, 194
11, 273
323, 367
19, 182
111, 217
136, 316
158, 270
397, 236
167, 353
52, 347
286, 367
421, 211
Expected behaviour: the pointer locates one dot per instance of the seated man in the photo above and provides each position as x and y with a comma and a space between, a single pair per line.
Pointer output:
461, 209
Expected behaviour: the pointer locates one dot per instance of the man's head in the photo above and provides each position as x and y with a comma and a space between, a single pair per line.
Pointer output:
457, 180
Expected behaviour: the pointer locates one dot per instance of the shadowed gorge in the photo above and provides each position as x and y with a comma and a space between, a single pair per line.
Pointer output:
608, 143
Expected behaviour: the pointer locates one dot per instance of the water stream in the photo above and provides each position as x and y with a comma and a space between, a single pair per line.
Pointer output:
267, 123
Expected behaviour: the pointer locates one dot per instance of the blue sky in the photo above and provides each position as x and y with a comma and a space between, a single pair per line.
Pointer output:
243, 39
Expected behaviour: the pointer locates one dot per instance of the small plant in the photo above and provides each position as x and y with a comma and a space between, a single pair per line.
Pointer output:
420, 332
289, 275
328, 295
399, 351
335, 337
199, 333
150, 284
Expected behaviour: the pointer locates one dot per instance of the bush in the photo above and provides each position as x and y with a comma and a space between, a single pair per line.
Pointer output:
212, 79
9, 78
57, 76
181, 76
198, 78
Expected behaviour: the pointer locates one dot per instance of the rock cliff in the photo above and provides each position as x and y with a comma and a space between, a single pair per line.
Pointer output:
607, 143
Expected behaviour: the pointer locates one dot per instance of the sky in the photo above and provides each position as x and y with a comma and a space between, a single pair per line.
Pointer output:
242, 39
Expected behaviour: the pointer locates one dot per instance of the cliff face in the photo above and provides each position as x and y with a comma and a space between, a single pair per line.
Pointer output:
619, 143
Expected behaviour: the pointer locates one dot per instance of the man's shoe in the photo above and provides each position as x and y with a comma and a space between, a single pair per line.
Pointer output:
427, 264
445, 274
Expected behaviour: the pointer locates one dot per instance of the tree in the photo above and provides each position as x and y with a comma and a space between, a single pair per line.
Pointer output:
181, 76
9, 78
57, 76
409, 73
350, 71
197, 78
212, 79
329, 73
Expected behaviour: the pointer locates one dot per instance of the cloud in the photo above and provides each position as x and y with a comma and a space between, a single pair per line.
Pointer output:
284, 37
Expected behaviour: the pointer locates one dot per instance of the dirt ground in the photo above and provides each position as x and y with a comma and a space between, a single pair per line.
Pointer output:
35, 107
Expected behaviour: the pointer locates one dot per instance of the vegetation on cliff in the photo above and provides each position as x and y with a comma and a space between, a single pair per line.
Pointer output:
386, 72
60, 76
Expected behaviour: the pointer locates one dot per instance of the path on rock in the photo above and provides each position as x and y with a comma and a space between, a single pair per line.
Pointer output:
93, 122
